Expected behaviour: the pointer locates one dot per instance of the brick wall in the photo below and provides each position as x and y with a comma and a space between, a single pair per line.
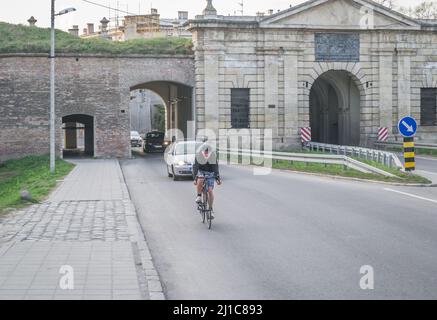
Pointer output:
98, 86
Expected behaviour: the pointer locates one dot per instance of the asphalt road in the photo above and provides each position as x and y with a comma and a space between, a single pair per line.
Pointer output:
287, 235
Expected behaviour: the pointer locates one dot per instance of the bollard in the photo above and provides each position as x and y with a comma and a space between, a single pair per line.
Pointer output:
409, 154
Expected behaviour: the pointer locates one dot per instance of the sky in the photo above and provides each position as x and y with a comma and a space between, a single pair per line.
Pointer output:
18, 11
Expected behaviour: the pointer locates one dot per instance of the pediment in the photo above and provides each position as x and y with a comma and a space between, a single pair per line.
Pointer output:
340, 14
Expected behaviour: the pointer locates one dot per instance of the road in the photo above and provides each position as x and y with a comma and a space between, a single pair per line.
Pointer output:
426, 166
287, 235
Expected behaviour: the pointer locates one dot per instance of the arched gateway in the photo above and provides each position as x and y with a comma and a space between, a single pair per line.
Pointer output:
335, 108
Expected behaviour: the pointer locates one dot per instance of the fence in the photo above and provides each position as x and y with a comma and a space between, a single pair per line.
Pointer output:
400, 145
307, 158
389, 159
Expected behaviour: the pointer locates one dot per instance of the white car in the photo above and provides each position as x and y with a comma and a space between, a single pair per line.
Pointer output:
135, 139
180, 158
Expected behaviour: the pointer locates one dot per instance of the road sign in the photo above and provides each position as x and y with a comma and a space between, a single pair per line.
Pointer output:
407, 127
305, 134
382, 134
409, 154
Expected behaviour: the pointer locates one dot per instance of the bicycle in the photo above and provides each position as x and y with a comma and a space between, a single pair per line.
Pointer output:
203, 207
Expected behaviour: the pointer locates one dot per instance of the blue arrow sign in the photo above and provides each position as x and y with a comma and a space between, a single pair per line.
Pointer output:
407, 127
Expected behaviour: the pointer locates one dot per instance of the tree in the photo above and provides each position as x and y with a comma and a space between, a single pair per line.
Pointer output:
425, 10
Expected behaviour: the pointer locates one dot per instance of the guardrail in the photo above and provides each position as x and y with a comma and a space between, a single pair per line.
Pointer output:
307, 158
400, 144
389, 159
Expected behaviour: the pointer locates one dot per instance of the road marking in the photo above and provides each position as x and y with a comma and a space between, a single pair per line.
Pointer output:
410, 195
429, 172
426, 158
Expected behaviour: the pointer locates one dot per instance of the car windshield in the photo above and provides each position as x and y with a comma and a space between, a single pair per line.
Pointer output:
187, 148
134, 133
155, 135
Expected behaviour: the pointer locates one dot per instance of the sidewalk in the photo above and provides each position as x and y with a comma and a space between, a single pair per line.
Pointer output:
84, 242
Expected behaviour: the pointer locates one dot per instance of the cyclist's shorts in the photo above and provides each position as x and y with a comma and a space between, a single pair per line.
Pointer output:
209, 177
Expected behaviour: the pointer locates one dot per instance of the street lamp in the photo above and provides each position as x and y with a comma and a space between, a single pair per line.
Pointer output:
52, 83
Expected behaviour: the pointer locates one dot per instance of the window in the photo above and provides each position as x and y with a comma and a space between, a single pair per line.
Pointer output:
428, 107
240, 100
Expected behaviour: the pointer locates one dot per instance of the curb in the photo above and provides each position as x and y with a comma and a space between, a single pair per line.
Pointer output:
344, 178
136, 235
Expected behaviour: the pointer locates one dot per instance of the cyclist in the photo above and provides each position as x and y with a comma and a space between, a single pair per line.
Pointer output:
206, 168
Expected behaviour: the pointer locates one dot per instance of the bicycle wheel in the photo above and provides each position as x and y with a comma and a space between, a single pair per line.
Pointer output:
209, 218
204, 206
201, 212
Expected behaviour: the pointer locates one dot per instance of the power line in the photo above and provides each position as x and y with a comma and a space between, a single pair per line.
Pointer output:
109, 7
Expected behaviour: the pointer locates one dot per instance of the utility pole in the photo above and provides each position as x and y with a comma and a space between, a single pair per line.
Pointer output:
242, 7
52, 91
52, 121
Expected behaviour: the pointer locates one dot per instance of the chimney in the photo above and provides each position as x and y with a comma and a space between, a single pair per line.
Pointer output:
74, 31
270, 12
90, 28
104, 23
32, 21
260, 14
153, 11
183, 15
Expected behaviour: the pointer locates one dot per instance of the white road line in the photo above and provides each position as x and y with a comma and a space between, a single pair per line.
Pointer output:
425, 158
410, 195
429, 172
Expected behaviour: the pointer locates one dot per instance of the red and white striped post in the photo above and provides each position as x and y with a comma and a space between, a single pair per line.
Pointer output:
305, 135
382, 134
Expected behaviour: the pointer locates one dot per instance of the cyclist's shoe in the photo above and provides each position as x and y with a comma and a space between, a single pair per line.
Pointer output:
212, 215
198, 200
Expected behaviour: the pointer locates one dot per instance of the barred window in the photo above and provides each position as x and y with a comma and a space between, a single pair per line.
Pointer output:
428, 107
240, 102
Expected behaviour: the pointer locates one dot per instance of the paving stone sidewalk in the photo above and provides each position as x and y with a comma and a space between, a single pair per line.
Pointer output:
84, 242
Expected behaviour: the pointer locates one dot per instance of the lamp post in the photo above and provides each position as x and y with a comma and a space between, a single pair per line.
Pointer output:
52, 84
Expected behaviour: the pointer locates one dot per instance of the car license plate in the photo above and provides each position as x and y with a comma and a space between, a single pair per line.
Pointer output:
159, 147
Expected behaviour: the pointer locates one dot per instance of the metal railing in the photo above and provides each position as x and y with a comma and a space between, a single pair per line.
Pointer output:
400, 145
389, 159
325, 159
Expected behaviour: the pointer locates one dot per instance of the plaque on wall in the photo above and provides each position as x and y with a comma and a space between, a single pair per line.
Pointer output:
340, 47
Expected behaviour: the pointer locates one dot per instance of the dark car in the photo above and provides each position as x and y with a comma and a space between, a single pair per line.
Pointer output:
154, 141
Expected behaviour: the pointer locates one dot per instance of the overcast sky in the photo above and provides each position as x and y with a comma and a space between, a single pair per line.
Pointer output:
18, 11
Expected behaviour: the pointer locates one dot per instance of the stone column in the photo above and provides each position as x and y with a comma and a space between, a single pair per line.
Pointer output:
386, 89
211, 80
291, 96
271, 80
174, 106
404, 82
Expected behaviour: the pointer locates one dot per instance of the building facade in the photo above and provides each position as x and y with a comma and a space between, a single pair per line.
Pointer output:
144, 26
345, 68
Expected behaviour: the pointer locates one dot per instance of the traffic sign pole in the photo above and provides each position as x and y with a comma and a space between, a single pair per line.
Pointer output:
407, 128
409, 154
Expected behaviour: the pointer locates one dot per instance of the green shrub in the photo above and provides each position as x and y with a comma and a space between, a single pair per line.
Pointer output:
27, 39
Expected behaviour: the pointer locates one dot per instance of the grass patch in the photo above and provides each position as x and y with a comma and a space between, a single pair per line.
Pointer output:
339, 170
27, 39
31, 174
428, 152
